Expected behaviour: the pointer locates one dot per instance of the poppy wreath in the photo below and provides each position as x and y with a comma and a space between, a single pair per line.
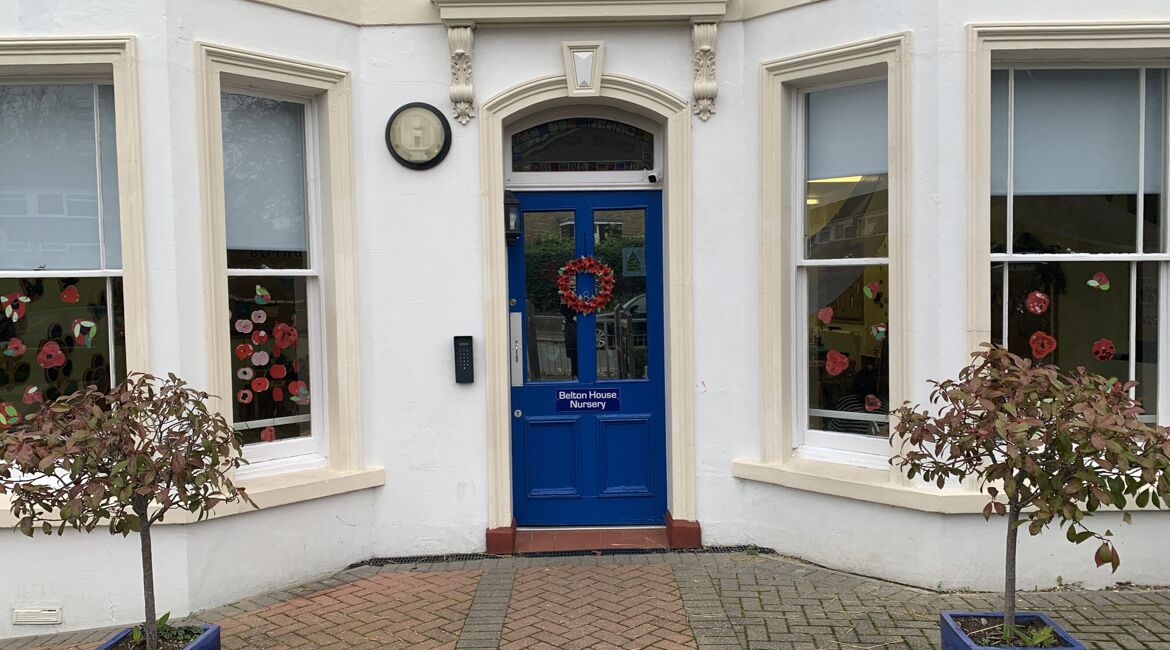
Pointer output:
602, 283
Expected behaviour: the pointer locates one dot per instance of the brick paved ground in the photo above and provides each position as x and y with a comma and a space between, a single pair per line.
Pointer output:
636, 601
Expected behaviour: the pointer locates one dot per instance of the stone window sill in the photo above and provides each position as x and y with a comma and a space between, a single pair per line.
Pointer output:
270, 492
860, 483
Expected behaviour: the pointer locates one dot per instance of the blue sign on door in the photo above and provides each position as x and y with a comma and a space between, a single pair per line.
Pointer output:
589, 401
589, 389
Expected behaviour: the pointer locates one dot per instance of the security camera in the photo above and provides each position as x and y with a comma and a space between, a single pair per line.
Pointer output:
654, 176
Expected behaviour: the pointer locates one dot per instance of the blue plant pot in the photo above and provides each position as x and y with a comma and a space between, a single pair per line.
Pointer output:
954, 638
209, 640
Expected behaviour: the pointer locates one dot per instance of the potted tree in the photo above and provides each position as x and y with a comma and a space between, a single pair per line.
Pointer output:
1046, 446
124, 458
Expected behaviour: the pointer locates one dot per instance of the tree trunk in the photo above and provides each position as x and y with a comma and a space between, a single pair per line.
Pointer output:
150, 626
1009, 573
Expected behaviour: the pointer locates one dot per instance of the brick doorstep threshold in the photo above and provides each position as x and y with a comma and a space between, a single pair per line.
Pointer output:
464, 557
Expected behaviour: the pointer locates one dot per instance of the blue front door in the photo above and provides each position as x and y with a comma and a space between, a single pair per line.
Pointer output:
588, 391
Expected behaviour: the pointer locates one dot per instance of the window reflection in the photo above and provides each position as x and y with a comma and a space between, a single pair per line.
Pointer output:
621, 327
551, 331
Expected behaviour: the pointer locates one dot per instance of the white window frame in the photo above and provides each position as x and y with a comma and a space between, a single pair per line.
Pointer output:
589, 180
1038, 45
312, 450
783, 327
99, 61
333, 343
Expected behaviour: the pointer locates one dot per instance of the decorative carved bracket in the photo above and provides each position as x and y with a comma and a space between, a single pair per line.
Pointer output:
460, 40
703, 37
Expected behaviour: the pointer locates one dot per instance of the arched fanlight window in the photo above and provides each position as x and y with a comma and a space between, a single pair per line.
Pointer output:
582, 144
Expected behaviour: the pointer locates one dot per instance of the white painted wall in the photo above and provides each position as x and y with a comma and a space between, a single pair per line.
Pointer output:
420, 262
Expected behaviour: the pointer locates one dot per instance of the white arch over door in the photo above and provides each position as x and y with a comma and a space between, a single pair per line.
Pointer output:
640, 98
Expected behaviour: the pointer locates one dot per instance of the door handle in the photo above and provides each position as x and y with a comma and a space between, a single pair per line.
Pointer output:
515, 332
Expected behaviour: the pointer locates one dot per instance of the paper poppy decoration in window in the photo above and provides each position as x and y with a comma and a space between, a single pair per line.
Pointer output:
14, 348
259, 316
245, 373
1042, 344
1037, 302
825, 315
277, 394
70, 294
873, 403
262, 296
277, 371
1099, 281
244, 396
268, 434
32, 395
8, 415
873, 290
51, 356
84, 332
259, 337
298, 392
243, 351
1103, 349
285, 336
878, 332
243, 326
836, 363
259, 384
260, 358
14, 305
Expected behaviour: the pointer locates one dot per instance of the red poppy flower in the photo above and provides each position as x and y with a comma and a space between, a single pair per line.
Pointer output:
873, 403
836, 363
1042, 344
285, 335
8, 415
244, 396
259, 316
243, 351
825, 315
70, 295
1037, 302
260, 358
873, 290
1103, 349
1099, 281
51, 356
260, 384
277, 371
277, 394
14, 305
268, 434
243, 326
299, 391
32, 395
259, 337
15, 348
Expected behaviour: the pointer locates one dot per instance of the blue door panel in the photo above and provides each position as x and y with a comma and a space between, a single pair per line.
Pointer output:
594, 467
552, 466
626, 468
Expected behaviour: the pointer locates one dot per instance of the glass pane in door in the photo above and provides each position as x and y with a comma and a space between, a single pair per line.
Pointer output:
619, 241
550, 329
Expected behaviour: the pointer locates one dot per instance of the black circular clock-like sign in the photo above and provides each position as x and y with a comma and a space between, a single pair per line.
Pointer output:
418, 136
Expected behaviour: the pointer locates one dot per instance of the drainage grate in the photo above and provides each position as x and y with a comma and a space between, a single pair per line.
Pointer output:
464, 557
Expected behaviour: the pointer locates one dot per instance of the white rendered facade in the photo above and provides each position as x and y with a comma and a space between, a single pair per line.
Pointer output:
421, 466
